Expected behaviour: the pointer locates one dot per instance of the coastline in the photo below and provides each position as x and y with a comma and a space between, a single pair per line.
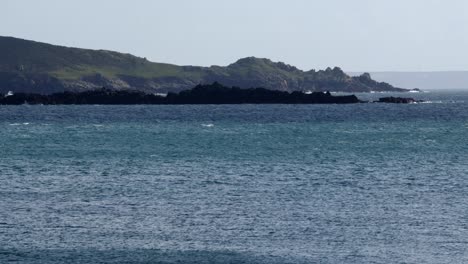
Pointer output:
201, 94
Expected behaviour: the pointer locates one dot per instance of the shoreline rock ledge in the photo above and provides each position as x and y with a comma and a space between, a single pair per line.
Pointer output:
398, 100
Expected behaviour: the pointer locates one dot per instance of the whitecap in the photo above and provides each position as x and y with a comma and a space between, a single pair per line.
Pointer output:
431, 102
208, 125
15, 124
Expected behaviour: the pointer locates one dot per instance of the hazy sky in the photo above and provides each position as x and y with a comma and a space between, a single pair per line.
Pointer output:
357, 35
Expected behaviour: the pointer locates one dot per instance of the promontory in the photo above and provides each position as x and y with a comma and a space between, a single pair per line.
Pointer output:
34, 67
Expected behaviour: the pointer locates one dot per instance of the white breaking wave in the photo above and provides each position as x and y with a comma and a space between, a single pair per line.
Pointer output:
19, 124
432, 102
208, 125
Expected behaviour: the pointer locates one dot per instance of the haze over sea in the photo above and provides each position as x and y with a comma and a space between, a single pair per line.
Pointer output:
361, 183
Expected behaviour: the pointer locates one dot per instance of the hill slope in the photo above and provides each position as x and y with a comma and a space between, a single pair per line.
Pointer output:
28, 66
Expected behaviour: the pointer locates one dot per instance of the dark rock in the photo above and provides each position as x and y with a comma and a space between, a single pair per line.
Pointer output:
415, 90
398, 100
201, 94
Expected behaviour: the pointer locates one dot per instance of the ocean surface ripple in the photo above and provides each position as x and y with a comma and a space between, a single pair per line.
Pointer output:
363, 183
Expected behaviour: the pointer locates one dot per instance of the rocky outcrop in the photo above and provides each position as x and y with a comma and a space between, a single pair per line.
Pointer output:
201, 94
398, 100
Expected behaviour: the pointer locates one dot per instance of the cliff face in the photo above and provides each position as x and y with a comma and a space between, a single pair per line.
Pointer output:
33, 67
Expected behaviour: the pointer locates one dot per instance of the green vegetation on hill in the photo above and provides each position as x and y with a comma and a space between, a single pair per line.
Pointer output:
74, 63
30, 66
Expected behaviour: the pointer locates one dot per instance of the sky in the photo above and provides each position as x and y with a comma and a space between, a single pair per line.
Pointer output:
356, 35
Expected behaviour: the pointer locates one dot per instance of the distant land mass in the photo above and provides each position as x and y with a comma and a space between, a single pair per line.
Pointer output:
423, 80
34, 67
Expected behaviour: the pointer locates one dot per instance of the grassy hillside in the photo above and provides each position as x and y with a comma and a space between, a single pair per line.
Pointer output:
73, 63
39, 67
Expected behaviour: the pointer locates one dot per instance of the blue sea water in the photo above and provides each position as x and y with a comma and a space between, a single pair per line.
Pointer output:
362, 183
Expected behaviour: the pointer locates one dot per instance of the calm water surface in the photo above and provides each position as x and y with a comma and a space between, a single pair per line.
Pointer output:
364, 183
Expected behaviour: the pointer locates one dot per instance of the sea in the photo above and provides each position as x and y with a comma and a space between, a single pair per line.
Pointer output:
360, 183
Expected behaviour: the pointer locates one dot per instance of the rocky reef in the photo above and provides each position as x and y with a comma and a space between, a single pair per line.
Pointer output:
398, 100
201, 94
